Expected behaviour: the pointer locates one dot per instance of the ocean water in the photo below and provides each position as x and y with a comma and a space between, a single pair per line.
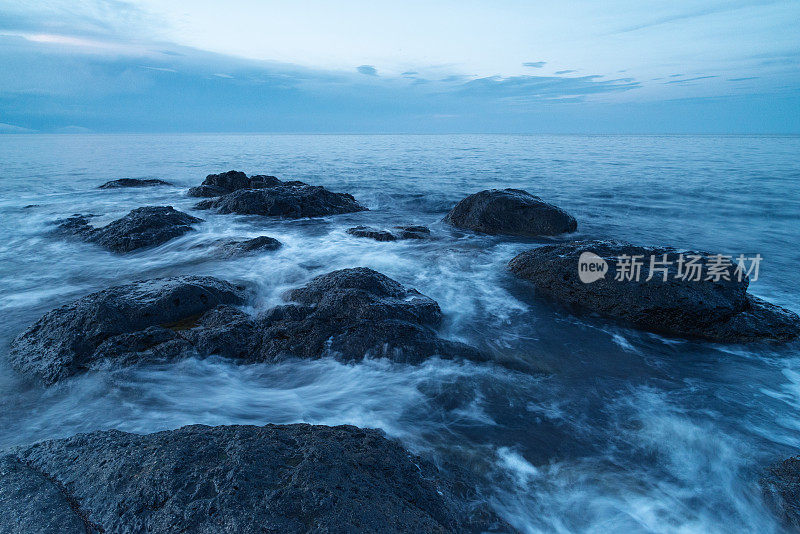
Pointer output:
620, 431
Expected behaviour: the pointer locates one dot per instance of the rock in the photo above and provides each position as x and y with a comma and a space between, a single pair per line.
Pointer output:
291, 201
257, 244
781, 485
402, 232
227, 182
143, 227
123, 323
234, 479
348, 314
715, 310
510, 212
351, 314
132, 182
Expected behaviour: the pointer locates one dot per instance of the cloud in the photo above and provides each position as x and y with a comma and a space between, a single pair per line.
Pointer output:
545, 87
535, 64
743, 79
565, 71
689, 79
10, 128
368, 70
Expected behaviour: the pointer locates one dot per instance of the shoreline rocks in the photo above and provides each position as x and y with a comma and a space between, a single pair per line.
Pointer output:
350, 314
250, 246
237, 479
716, 310
145, 227
132, 182
235, 192
510, 212
397, 232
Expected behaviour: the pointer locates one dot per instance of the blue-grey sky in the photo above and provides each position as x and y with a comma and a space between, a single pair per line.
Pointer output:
617, 66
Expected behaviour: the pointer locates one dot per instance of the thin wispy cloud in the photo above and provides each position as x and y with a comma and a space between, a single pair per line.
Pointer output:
534, 64
369, 70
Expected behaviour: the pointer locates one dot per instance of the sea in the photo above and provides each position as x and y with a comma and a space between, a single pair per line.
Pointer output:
606, 428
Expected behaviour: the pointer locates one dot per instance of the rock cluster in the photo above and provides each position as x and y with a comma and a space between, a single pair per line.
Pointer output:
234, 479
348, 314
141, 228
216, 185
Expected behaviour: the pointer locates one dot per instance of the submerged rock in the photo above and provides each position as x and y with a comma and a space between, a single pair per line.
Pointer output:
292, 201
143, 227
781, 485
510, 212
349, 314
133, 182
142, 319
227, 182
400, 232
718, 310
249, 246
236, 479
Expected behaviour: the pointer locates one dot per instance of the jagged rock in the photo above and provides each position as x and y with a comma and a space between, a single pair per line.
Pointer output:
221, 184
401, 232
511, 212
133, 321
234, 479
781, 485
348, 314
292, 201
132, 182
143, 227
719, 310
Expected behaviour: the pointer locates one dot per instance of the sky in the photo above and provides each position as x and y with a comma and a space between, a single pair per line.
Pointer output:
356, 66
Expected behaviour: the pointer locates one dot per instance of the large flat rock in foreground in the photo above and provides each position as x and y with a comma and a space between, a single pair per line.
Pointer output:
233, 479
510, 212
714, 309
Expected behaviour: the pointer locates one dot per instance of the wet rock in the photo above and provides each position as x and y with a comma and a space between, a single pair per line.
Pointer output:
249, 246
143, 227
122, 324
400, 232
227, 182
132, 182
291, 201
781, 485
718, 310
236, 479
510, 212
351, 314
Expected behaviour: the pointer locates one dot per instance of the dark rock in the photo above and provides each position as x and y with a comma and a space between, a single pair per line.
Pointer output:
143, 227
133, 321
355, 313
402, 232
257, 244
292, 201
716, 310
781, 485
234, 479
132, 182
510, 212
227, 182
348, 314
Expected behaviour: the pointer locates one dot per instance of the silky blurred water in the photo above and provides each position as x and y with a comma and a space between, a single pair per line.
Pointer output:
622, 431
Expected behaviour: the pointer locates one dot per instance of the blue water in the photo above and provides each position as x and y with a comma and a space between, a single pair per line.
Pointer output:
622, 431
